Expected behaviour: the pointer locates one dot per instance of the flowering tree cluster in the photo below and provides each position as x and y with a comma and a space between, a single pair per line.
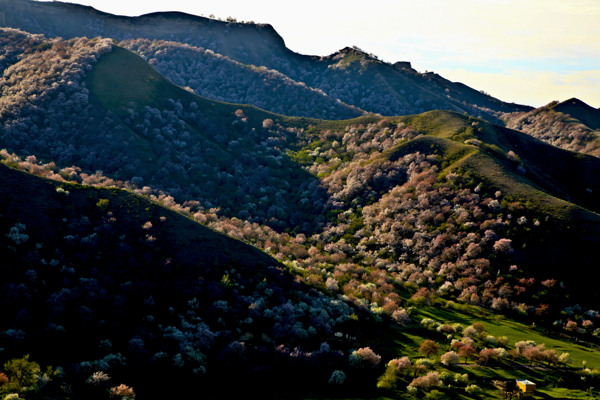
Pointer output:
387, 215
555, 128
218, 77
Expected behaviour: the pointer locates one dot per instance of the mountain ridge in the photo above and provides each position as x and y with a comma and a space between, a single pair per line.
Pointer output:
262, 46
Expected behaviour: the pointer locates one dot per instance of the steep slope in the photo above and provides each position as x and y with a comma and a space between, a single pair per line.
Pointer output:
350, 75
207, 150
571, 125
361, 79
116, 288
125, 119
103, 280
563, 174
13, 43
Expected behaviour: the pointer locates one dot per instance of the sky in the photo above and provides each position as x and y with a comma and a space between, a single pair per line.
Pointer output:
524, 51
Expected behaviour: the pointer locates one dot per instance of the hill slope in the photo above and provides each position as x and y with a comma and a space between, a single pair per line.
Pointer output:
385, 215
245, 161
145, 287
484, 170
248, 43
127, 120
571, 125
217, 77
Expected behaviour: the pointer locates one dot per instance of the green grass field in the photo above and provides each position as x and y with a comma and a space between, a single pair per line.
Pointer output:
405, 341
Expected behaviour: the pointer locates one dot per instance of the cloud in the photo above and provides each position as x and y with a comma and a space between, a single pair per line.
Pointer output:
483, 33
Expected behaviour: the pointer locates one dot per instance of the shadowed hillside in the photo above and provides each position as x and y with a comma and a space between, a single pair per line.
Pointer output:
221, 78
125, 119
101, 279
581, 111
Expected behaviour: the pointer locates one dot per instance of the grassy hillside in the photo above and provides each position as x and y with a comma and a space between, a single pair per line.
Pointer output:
138, 280
547, 195
562, 174
123, 79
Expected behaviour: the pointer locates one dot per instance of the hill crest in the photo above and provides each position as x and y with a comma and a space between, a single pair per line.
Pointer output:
581, 111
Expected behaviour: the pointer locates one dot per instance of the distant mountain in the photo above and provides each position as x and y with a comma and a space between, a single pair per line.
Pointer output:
579, 110
246, 42
350, 75
359, 78
571, 125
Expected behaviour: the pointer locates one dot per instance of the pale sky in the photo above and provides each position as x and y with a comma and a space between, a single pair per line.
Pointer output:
524, 51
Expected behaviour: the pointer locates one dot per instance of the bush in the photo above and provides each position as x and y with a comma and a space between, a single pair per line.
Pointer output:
435, 395
470, 332
98, 378
429, 381
461, 378
401, 365
429, 347
401, 317
564, 358
486, 355
424, 363
122, 391
364, 358
450, 358
473, 389
389, 378
338, 377
22, 373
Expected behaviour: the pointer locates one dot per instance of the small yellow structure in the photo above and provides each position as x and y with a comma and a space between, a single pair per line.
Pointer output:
527, 387
518, 388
